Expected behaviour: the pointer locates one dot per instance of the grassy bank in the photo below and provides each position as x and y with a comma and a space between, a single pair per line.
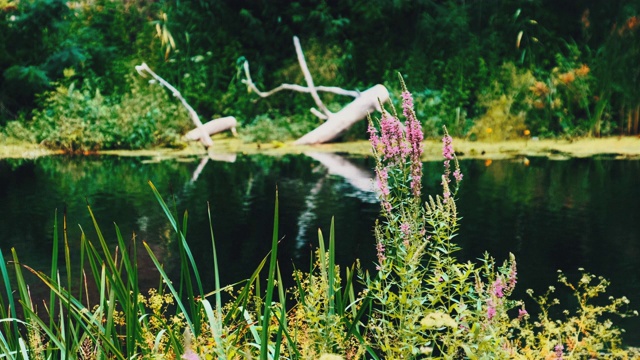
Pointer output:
615, 147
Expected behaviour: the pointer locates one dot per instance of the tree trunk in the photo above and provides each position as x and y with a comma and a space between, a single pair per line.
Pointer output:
341, 121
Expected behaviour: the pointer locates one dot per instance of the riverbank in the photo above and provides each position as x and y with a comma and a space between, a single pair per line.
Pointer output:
612, 147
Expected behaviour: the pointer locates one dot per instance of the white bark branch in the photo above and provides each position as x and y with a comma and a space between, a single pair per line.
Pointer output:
293, 87
203, 136
213, 127
339, 122
336, 123
308, 78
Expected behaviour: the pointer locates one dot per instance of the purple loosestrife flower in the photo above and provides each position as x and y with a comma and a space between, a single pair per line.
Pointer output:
391, 138
513, 274
405, 228
447, 153
407, 104
498, 288
559, 351
381, 257
190, 355
382, 179
491, 310
457, 175
522, 313
373, 137
414, 137
447, 148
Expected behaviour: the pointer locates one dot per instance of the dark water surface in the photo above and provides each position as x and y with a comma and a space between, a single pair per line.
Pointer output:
551, 214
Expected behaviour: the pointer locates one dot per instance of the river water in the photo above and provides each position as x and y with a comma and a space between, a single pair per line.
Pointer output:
578, 213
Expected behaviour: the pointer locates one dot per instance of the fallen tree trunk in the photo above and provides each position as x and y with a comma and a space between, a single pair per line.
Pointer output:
337, 123
341, 121
213, 127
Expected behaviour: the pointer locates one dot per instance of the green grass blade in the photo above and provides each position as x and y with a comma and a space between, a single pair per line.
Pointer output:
112, 268
183, 240
216, 272
266, 317
23, 290
215, 323
12, 306
332, 268
54, 267
131, 306
23, 349
283, 314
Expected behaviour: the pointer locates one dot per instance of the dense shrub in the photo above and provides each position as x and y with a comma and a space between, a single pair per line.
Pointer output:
79, 120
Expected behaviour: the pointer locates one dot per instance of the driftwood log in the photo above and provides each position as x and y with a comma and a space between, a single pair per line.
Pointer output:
213, 127
341, 121
336, 123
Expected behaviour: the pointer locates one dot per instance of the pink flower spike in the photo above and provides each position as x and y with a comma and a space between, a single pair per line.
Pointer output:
457, 175
559, 349
190, 355
447, 148
522, 313
491, 312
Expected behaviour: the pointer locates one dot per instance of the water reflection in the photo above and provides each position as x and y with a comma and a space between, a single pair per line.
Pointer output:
353, 181
550, 214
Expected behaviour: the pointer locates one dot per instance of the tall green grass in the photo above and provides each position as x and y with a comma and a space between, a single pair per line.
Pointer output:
119, 320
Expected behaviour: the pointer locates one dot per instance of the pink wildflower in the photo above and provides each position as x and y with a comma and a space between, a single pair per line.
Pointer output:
380, 248
457, 175
414, 137
522, 313
559, 351
498, 288
393, 148
491, 312
405, 227
407, 104
373, 136
382, 181
447, 148
190, 355
513, 275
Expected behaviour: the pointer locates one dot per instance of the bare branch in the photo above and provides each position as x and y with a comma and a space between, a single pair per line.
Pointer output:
293, 87
205, 139
308, 78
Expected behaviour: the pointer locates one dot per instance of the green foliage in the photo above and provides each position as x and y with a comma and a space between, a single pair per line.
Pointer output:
506, 106
80, 120
277, 127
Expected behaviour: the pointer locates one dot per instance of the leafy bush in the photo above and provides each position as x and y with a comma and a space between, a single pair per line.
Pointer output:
277, 127
79, 120
505, 104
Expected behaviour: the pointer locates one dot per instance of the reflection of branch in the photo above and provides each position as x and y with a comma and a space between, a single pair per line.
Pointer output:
230, 157
306, 216
204, 136
198, 170
359, 178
